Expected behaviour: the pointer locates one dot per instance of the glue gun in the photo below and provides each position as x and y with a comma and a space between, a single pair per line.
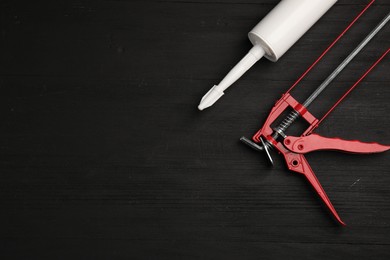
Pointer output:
294, 148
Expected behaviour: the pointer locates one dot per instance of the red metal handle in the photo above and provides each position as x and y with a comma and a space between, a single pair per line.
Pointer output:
314, 142
298, 163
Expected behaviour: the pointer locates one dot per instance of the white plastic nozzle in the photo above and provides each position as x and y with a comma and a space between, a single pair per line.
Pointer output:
272, 37
216, 92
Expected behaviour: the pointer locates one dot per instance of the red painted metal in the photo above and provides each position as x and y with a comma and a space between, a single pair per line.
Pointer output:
294, 148
314, 142
298, 163
281, 105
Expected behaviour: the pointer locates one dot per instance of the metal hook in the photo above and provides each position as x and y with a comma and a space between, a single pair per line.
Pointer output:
258, 148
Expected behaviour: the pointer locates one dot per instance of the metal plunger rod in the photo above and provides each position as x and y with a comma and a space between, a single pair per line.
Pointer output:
347, 60
294, 114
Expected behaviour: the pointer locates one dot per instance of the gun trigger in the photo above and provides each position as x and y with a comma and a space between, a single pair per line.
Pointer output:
298, 163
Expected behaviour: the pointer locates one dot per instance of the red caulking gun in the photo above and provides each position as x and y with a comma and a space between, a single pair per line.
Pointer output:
294, 148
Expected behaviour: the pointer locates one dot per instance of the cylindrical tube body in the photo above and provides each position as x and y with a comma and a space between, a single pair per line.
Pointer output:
286, 23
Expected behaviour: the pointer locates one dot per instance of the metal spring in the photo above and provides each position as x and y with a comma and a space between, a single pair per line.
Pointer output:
288, 121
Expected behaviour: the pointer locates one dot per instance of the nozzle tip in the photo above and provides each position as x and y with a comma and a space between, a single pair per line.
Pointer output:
210, 98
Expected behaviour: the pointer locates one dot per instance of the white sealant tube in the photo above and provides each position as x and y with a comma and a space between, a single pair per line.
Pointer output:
272, 37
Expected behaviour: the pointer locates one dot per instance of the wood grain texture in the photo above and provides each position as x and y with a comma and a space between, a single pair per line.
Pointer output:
105, 156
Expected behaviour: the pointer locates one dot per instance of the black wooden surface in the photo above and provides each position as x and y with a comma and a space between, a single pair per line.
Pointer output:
105, 156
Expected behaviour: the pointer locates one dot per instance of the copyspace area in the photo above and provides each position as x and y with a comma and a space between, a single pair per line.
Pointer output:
104, 155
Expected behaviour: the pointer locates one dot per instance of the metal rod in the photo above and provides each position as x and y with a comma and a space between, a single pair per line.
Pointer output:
354, 85
346, 61
330, 46
294, 115
251, 144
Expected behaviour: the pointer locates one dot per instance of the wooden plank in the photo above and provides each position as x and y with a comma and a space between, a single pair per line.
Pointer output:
105, 156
